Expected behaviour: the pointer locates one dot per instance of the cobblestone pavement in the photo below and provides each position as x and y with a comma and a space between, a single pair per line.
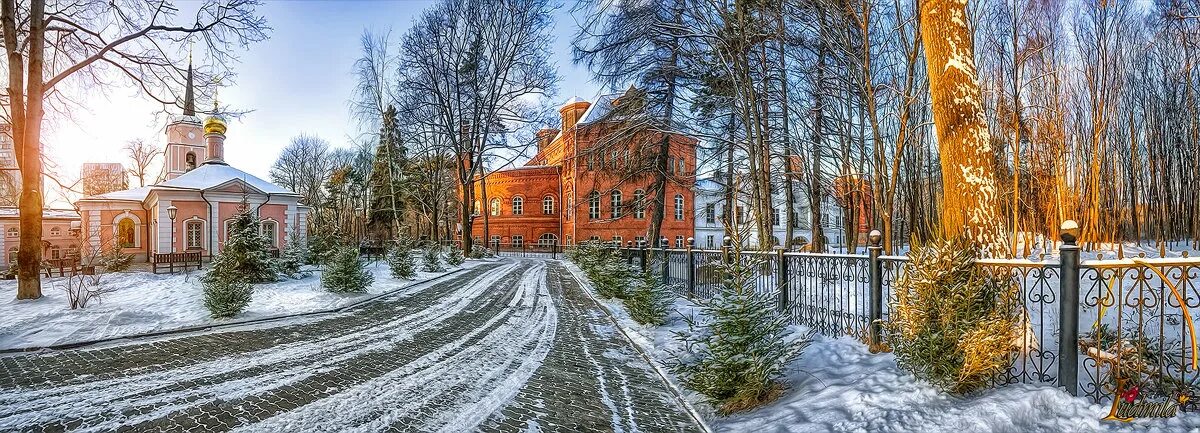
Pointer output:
511, 346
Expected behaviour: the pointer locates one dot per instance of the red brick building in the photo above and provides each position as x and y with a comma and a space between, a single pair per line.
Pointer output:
580, 186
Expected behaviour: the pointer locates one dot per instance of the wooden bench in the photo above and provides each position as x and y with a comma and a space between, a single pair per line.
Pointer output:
65, 267
171, 261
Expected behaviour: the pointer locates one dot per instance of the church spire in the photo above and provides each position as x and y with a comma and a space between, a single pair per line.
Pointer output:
189, 97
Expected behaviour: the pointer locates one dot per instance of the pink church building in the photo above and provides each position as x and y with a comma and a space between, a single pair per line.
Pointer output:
191, 208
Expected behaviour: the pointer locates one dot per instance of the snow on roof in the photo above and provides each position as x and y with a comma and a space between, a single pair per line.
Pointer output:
212, 175
133, 194
573, 100
12, 212
600, 109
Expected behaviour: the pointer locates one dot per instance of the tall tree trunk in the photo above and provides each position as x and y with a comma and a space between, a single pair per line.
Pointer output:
28, 148
970, 202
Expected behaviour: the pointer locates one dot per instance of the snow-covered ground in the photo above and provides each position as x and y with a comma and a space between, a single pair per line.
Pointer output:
838, 386
142, 302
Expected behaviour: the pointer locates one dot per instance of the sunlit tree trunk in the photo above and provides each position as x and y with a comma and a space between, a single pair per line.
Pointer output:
970, 202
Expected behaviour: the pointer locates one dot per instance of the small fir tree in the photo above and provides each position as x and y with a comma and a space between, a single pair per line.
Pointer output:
292, 258
649, 301
431, 260
226, 298
953, 324
246, 255
455, 256
115, 260
737, 350
346, 272
611, 277
401, 262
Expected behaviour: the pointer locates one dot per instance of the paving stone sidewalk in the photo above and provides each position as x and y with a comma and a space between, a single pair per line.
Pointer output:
410, 363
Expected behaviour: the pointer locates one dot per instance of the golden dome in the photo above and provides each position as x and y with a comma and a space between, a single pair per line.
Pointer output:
214, 125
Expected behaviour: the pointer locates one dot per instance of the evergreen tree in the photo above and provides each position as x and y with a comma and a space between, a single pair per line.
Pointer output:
226, 298
455, 256
245, 256
293, 256
401, 262
116, 260
431, 261
346, 272
737, 350
386, 181
649, 301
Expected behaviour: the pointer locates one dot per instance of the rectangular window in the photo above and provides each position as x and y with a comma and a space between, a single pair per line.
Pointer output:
495, 242
268, 231
595, 238
709, 241
678, 207
640, 241
55, 253
678, 241
192, 234
594, 206
710, 213
616, 240
518, 241
741, 215
775, 217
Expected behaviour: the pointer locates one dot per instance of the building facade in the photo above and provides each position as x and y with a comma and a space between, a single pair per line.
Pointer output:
714, 218
585, 183
192, 208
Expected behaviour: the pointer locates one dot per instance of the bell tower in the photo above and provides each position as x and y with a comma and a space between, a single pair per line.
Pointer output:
185, 149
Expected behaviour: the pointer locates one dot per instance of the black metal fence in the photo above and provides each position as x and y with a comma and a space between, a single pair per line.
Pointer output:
1110, 318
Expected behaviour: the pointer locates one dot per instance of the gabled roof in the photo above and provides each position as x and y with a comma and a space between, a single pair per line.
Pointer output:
597, 111
212, 175
206, 177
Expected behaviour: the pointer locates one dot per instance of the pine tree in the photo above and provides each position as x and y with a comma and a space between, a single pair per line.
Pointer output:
401, 262
346, 272
431, 260
649, 301
386, 180
455, 256
245, 256
292, 258
736, 351
226, 298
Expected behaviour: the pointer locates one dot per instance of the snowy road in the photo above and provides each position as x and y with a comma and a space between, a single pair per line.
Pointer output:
506, 347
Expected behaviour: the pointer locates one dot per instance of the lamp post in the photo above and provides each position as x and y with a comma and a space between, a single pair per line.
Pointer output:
171, 211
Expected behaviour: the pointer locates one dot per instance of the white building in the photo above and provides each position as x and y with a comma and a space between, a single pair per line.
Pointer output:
711, 224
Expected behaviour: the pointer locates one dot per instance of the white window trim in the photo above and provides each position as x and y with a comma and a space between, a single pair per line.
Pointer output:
275, 238
518, 205
203, 226
137, 228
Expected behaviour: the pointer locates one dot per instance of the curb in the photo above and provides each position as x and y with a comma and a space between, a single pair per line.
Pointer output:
691, 410
194, 328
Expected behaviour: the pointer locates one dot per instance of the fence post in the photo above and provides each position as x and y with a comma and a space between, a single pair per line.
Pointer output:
665, 263
875, 274
691, 269
642, 255
781, 272
1068, 308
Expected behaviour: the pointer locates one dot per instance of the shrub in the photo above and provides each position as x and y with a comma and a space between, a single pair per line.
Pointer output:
226, 298
116, 260
431, 260
455, 256
649, 301
479, 251
346, 272
611, 278
400, 261
953, 324
737, 350
587, 254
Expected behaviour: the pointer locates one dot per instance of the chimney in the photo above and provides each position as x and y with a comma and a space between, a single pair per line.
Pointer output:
545, 136
572, 111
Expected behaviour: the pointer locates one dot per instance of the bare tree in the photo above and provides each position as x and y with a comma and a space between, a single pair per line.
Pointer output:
96, 44
141, 155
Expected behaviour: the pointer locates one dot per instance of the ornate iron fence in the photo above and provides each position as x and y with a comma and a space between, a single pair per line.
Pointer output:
1110, 318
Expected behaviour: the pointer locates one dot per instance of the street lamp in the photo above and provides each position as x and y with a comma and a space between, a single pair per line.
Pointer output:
171, 211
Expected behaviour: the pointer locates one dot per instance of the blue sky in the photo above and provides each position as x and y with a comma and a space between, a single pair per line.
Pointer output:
298, 81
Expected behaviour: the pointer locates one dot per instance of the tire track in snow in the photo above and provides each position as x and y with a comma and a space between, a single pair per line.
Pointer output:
177, 389
478, 372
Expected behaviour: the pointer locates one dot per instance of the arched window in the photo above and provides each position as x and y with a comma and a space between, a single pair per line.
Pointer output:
270, 230
189, 161
616, 203
12, 232
55, 232
518, 207
548, 205
193, 234
475, 208
639, 204
495, 207
594, 205
548, 240
678, 207
126, 233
